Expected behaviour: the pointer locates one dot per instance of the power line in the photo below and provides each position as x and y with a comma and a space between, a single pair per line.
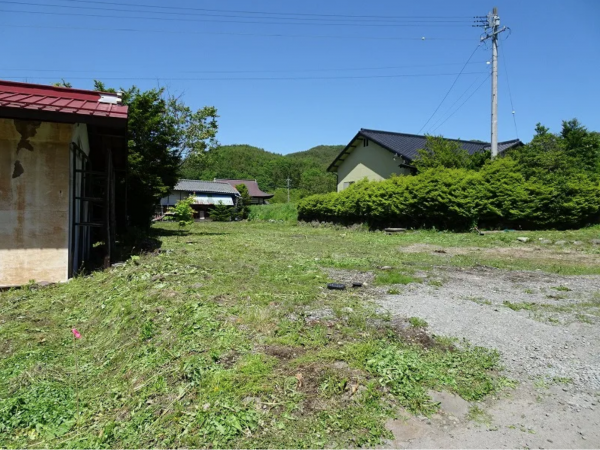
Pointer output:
512, 107
463, 103
333, 69
264, 12
225, 13
349, 77
222, 33
449, 90
168, 19
434, 125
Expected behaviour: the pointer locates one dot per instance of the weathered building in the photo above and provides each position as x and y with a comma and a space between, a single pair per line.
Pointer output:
63, 162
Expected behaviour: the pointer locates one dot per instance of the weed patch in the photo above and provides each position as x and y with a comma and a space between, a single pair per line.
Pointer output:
479, 416
394, 278
417, 322
519, 306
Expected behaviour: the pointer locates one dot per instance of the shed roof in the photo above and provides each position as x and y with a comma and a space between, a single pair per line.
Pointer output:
408, 145
206, 187
252, 186
42, 102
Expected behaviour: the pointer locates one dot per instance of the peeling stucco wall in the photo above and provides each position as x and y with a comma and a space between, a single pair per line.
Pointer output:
34, 201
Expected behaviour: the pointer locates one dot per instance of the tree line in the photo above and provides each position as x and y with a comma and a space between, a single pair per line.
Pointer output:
306, 171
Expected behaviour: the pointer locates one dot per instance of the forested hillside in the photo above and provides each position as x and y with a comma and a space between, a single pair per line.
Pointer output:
324, 154
306, 170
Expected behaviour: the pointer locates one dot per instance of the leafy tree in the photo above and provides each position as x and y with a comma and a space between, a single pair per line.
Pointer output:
197, 130
479, 159
183, 213
221, 213
153, 165
440, 152
555, 156
317, 181
243, 203
281, 195
162, 132
62, 83
582, 146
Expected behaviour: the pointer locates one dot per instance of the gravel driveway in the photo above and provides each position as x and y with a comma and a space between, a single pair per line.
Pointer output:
547, 331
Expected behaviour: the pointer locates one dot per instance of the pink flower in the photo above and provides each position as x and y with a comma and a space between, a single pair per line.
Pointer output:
76, 333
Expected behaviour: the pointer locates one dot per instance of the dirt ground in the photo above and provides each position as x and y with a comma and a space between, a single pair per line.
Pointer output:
533, 252
547, 330
551, 347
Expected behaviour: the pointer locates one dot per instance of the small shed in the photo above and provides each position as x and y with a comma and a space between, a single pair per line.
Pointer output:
63, 166
258, 197
206, 195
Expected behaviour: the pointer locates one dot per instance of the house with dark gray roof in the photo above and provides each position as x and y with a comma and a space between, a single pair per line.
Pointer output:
377, 155
206, 195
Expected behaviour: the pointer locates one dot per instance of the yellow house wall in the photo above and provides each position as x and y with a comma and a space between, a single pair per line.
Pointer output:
34, 201
373, 162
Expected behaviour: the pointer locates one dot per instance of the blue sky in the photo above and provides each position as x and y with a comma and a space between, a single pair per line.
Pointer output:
336, 73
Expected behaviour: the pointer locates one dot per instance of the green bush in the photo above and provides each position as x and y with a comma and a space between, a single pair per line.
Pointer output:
497, 196
242, 209
221, 213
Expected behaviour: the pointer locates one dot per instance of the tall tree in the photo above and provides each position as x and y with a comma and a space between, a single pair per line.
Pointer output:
440, 152
162, 131
243, 203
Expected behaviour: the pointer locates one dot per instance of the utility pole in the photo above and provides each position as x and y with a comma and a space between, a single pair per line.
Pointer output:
491, 24
288, 188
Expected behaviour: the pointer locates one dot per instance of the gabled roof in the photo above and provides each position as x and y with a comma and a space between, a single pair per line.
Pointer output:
407, 146
252, 186
42, 102
205, 187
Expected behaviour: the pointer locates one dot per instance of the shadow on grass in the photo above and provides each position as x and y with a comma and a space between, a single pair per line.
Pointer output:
161, 232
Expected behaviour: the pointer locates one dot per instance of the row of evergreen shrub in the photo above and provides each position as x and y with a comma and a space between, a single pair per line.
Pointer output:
497, 196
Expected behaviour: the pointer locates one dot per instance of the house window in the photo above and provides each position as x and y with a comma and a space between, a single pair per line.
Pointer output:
365, 142
347, 184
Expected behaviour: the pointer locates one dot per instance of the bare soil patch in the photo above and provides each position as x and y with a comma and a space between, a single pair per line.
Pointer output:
524, 252
537, 321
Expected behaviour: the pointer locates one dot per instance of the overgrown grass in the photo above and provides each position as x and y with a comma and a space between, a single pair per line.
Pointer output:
286, 212
209, 344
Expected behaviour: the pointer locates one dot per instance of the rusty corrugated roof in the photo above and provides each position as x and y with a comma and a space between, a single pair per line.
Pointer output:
40, 97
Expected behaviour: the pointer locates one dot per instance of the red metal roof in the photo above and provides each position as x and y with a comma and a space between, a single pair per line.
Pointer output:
59, 99
252, 186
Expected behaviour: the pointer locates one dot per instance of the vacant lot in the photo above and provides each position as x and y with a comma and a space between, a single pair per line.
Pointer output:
228, 337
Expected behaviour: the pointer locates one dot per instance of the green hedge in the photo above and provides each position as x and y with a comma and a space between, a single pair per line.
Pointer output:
497, 196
